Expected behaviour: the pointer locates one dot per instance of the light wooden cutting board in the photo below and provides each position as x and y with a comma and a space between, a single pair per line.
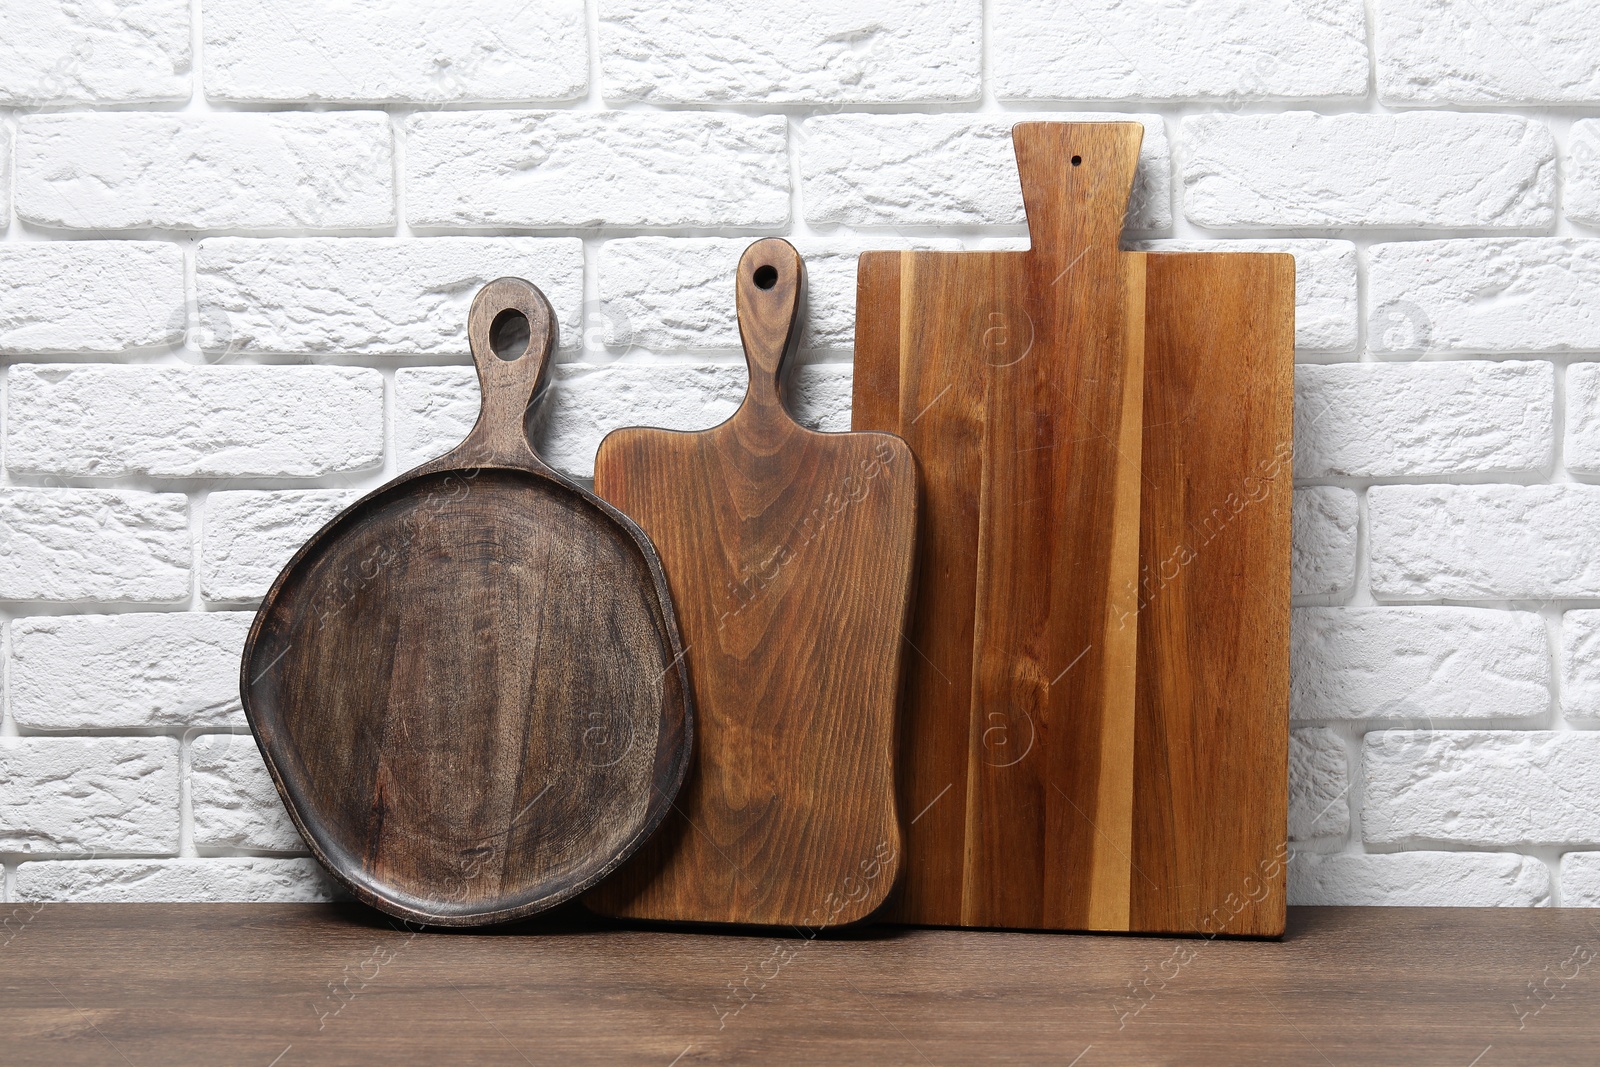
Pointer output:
1064, 732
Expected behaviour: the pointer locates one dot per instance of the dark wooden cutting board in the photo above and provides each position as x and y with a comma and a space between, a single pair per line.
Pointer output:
469, 687
1034, 733
789, 555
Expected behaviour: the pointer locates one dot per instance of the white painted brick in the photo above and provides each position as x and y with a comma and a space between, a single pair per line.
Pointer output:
587, 406
1531, 294
1326, 312
1423, 169
819, 396
1481, 787
193, 422
1384, 420
116, 546
1581, 441
87, 795
144, 669
949, 170
1478, 542
1486, 52
1580, 880
237, 879
90, 296
672, 293
609, 168
464, 51
1419, 879
373, 295
825, 51
248, 537
1323, 556
1159, 50
1583, 172
1417, 663
240, 171
1319, 785
62, 53
234, 801
5, 178
1580, 664
436, 406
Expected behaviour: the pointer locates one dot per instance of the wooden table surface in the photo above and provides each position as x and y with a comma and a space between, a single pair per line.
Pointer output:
286, 985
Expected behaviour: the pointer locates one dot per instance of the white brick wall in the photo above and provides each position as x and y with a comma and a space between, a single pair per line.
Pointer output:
1319, 777
124, 171
436, 406
1392, 420
1481, 787
372, 296
1369, 664
825, 51
1484, 542
1420, 879
235, 804
129, 671
1581, 443
236, 256
135, 171
241, 878
1428, 169
250, 535
85, 545
182, 422
89, 795
1323, 562
90, 296
1580, 665
1580, 879
133, 50
951, 170
1158, 50
672, 294
372, 51
1486, 52
1547, 295
490, 169
5, 176
1583, 172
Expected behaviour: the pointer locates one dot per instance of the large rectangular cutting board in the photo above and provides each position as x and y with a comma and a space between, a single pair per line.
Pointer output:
1073, 408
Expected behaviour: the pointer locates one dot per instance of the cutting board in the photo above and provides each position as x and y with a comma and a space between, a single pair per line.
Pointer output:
469, 687
1032, 728
789, 554
1212, 749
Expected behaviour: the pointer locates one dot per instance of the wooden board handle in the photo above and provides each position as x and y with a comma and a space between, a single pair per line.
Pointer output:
771, 287
1076, 179
512, 331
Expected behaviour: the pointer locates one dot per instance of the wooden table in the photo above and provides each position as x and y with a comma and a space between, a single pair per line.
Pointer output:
287, 985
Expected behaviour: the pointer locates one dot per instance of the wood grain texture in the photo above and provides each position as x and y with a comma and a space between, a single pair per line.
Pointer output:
307, 985
468, 687
1213, 610
1096, 731
1015, 377
789, 554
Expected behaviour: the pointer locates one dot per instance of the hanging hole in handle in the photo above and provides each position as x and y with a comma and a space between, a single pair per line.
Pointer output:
509, 334
1077, 161
765, 277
